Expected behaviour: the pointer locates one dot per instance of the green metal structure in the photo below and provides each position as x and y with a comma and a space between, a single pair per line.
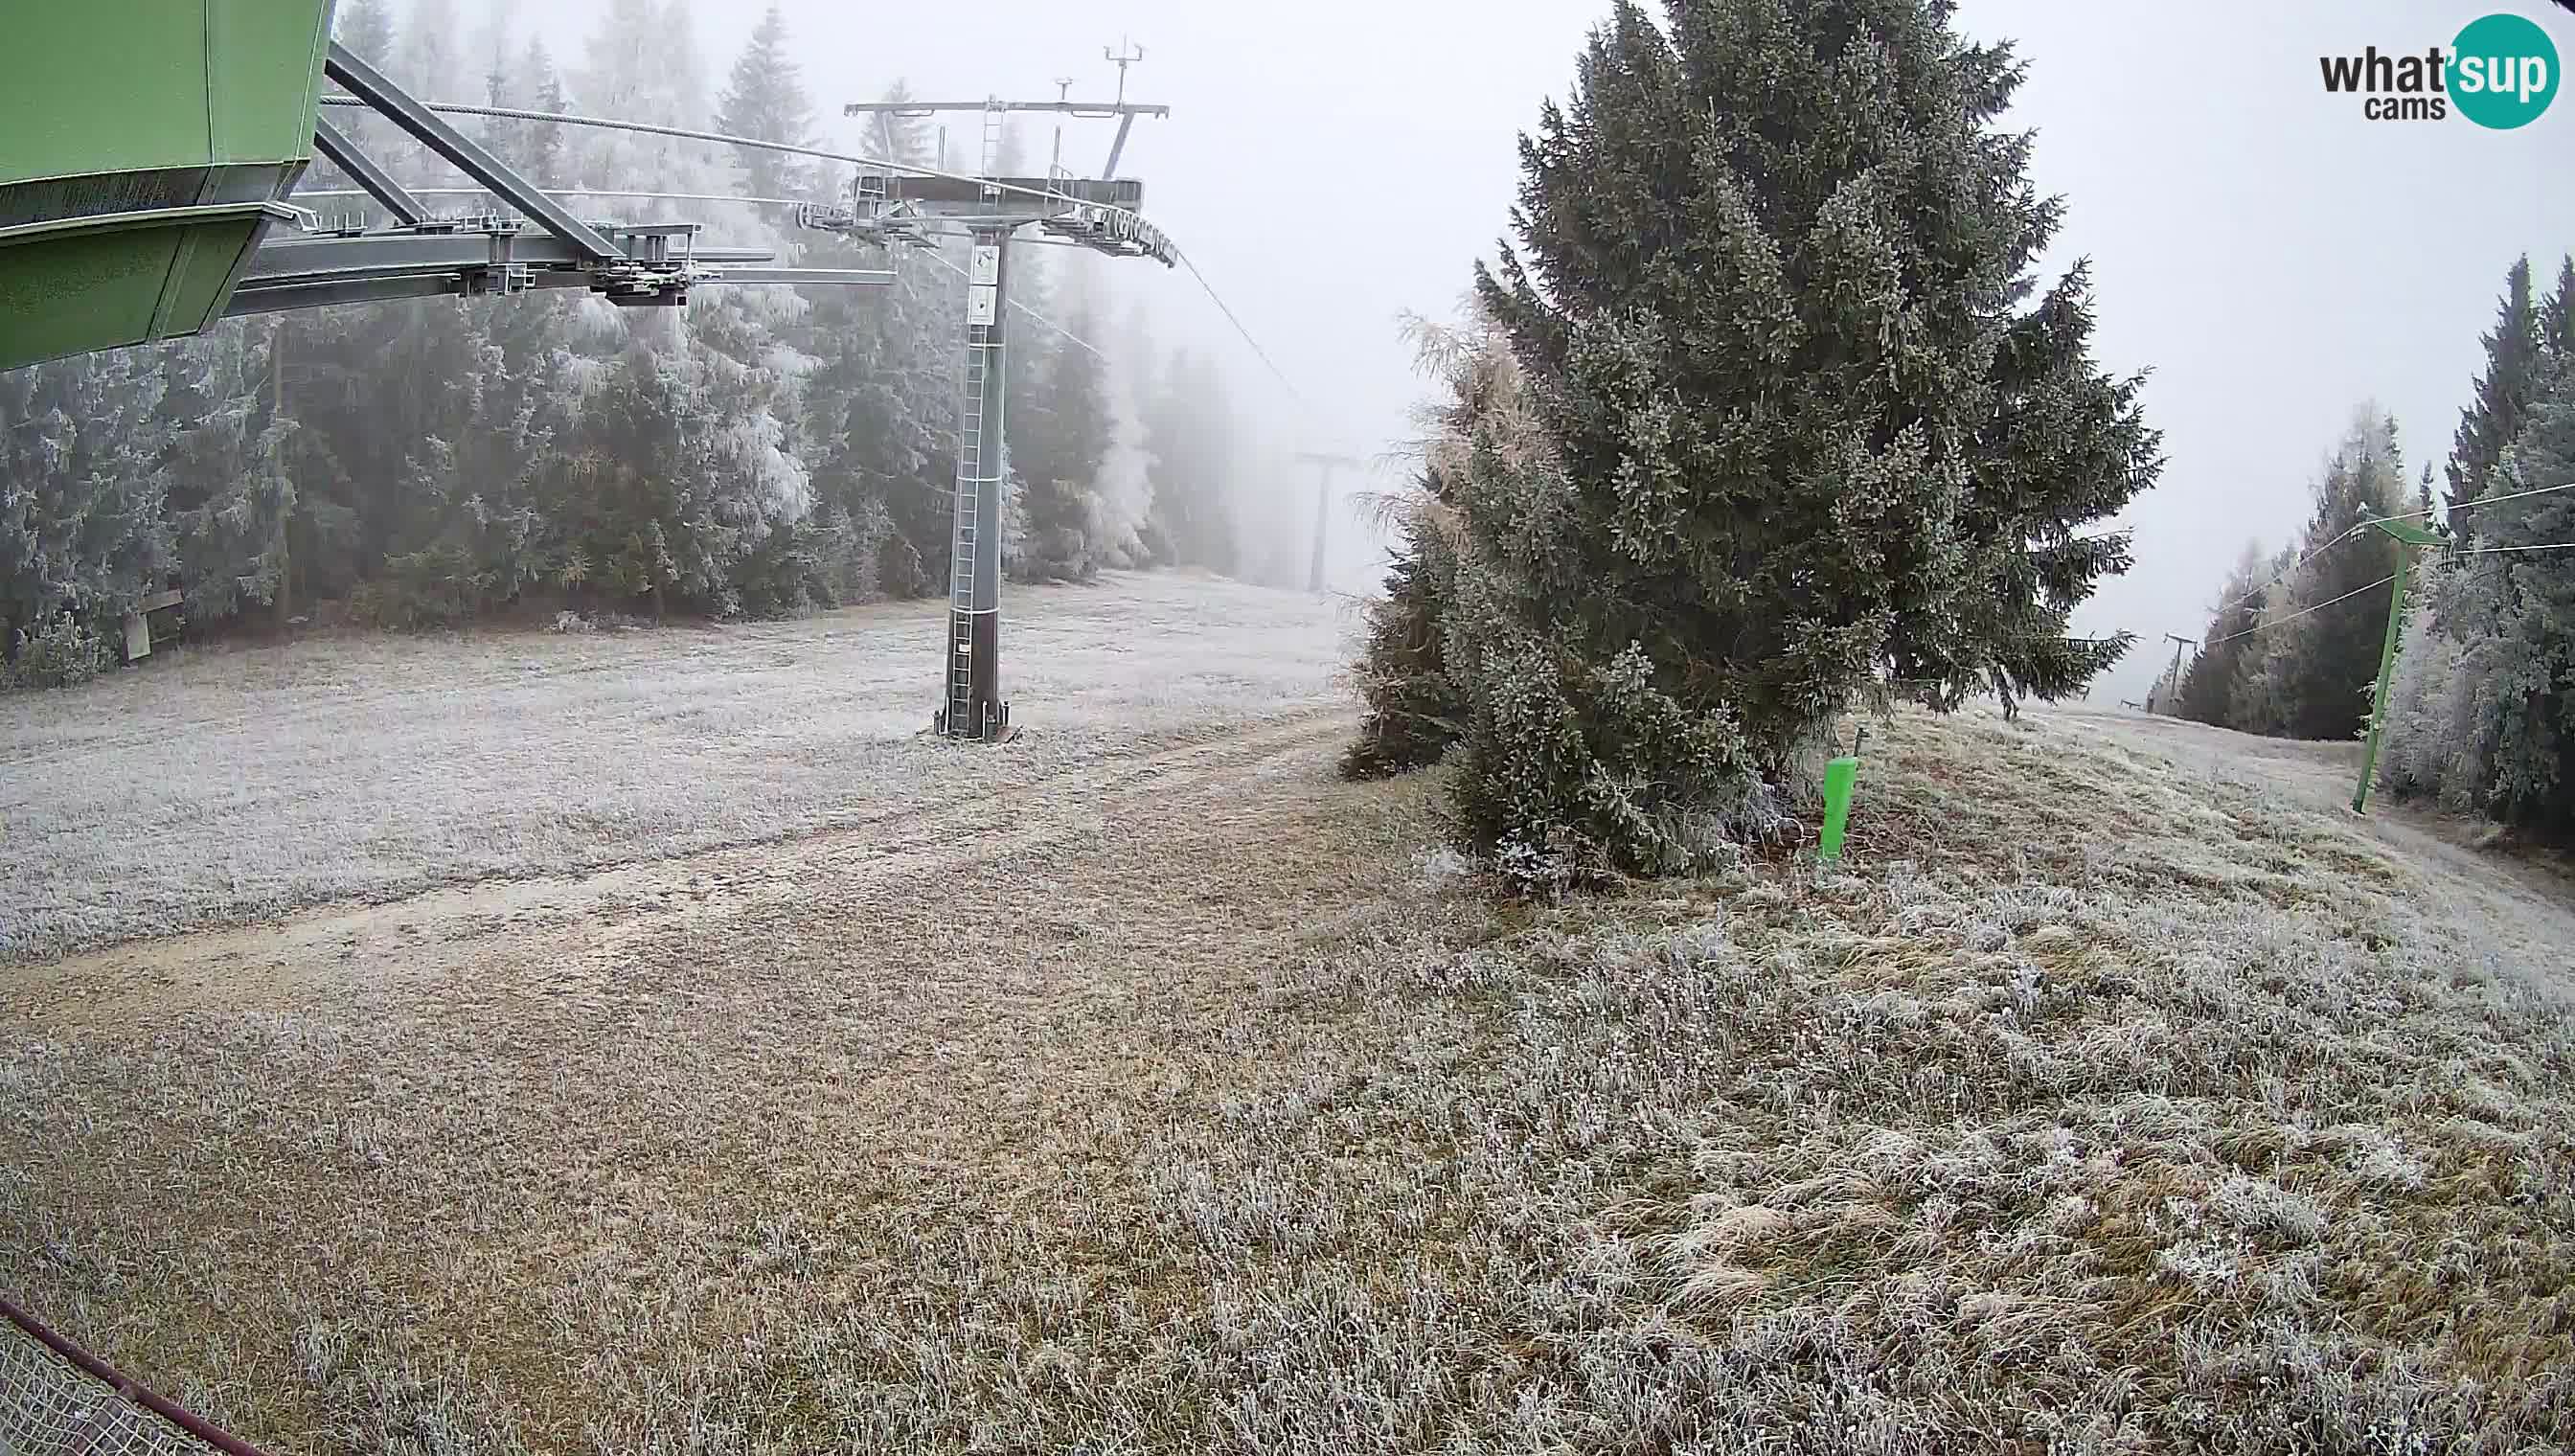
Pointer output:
2409, 539
146, 147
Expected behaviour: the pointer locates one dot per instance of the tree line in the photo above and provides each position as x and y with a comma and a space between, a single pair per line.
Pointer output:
1765, 416
2481, 705
762, 452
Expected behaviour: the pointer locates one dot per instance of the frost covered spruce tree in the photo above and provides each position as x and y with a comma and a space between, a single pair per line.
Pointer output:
2310, 671
2481, 715
1066, 432
1416, 705
2208, 683
2483, 701
1805, 427
2503, 393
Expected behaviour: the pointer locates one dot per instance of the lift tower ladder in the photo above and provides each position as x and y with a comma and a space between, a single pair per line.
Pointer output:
1095, 213
974, 574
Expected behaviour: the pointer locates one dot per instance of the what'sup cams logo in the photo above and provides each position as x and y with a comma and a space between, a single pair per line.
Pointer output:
2501, 72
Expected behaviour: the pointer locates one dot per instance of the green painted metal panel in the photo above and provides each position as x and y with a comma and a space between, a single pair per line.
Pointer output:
129, 120
104, 86
71, 294
264, 75
89, 282
202, 276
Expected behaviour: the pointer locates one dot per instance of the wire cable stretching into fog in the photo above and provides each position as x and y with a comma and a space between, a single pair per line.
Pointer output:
2481, 500
570, 192
1191, 265
2495, 550
940, 259
686, 134
520, 112
2226, 606
2383, 581
2295, 615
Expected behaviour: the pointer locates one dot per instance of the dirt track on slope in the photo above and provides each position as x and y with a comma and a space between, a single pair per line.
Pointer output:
995, 876
520, 1116
244, 782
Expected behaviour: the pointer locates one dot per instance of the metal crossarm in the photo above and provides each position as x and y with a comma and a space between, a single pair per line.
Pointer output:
433, 130
346, 154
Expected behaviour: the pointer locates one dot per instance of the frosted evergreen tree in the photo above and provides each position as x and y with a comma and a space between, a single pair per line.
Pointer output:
540, 88
2444, 698
228, 495
2533, 662
1067, 440
367, 28
429, 60
1770, 297
81, 492
2557, 313
2208, 683
1417, 707
2066, 448
1189, 432
2318, 656
2503, 394
2478, 711
878, 397
1765, 295
766, 98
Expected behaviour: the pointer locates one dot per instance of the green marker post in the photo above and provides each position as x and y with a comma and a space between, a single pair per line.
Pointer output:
2408, 537
1840, 776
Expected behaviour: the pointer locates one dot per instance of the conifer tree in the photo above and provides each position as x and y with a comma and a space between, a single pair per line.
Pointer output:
366, 26
2323, 630
541, 90
2557, 317
2494, 416
1190, 433
1802, 424
1068, 445
2208, 683
2532, 664
229, 495
879, 399
766, 98
81, 486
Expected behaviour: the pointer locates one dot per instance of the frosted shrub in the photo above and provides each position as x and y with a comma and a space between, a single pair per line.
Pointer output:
1598, 766
62, 653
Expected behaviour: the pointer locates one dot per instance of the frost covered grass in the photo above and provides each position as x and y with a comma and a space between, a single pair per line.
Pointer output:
2110, 1098
237, 784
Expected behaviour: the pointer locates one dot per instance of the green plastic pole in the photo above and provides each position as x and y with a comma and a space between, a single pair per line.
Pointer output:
1840, 776
2386, 660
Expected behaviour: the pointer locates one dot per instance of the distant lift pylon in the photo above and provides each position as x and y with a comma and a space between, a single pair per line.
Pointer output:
1096, 212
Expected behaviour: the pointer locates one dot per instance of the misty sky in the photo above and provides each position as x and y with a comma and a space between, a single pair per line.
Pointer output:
2274, 257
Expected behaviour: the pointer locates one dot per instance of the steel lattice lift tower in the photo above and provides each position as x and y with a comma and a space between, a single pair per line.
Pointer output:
1097, 213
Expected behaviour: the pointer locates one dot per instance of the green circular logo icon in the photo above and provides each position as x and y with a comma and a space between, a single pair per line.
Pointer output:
2503, 71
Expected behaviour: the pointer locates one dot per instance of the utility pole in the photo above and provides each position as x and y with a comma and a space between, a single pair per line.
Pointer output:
2178, 643
1095, 213
2408, 538
1323, 509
